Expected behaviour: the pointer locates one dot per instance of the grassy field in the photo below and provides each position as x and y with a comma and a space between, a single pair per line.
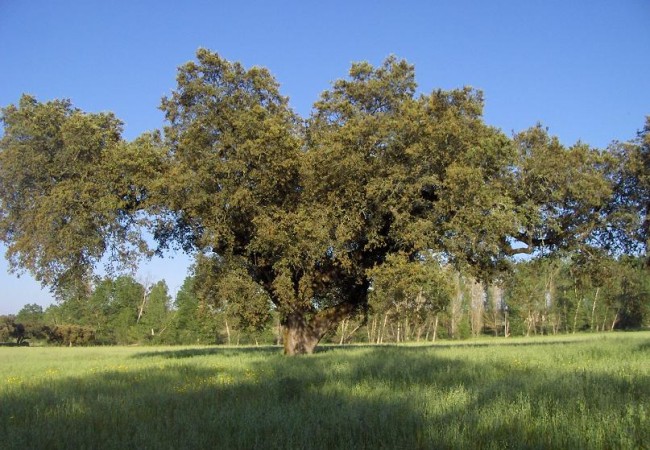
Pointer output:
585, 391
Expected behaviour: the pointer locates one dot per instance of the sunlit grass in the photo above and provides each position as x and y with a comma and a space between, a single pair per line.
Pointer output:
584, 391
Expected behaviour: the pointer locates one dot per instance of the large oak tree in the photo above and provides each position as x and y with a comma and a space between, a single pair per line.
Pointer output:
306, 208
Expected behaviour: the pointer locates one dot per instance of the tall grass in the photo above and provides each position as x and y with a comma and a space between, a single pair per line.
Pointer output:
568, 392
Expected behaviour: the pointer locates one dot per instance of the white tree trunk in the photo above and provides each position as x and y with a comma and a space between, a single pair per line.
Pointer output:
477, 307
227, 331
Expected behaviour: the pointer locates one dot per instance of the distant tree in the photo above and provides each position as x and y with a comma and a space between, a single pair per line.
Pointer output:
194, 321
111, 307
410, 293
6, 327
32, 320
495, 315
30, 313
156, 316
627, 294
234, 296
126, 298
530, 293
10, 329
71, 335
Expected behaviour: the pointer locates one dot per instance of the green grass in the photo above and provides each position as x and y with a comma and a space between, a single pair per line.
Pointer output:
586, 391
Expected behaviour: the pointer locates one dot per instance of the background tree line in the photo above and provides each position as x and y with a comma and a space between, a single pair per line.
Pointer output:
408, 303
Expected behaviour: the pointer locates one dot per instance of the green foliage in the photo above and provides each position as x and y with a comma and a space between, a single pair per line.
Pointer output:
194, 322
412, 299
233, 293
587, 292
6, 327
414, 291
71, 335
10, 330
629, 294
154, 313
560, 193
630, 206
31, 313
69, 190
32, 318
14, 328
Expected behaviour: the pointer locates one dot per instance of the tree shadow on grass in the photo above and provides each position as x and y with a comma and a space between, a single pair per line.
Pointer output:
360, 398
489, 342
184, 406
644, 347
206, 351
323, 348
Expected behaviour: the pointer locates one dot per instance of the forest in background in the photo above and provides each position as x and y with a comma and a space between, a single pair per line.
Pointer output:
539, 297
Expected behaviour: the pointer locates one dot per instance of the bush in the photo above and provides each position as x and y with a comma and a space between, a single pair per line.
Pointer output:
71, 335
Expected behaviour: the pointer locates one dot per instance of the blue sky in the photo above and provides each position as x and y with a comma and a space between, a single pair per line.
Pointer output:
579, 67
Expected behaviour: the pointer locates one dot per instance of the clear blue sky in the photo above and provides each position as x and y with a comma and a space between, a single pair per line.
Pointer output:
580, 67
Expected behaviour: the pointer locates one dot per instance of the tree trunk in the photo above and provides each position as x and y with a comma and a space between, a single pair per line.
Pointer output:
227, 331
593, 310
456, 307
529, 323
142, 305
298, 337
348, 338
406, 331
302, 331
575, 318
578, 304
435, 329
343, 326
614, 321
420, 330
382, 332
477, 307
371, 330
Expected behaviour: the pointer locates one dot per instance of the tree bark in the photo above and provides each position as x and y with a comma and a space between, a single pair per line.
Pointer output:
227, 331
302, 331
614, 321
593, 310
145, 295
575, 317
435, 329
382, 332
298, 336
371, 330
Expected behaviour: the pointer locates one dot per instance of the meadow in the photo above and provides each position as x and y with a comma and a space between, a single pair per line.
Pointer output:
580, 391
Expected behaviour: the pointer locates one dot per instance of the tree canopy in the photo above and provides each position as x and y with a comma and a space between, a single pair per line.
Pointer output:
301, 213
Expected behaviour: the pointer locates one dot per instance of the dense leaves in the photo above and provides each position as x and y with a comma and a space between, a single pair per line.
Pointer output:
630, 208
70, 190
